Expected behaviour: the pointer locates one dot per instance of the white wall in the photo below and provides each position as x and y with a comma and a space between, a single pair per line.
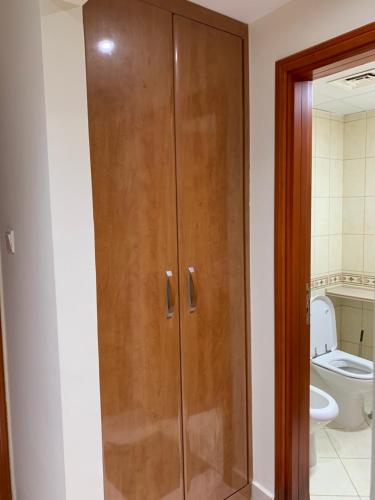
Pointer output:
73, 242
28, 277
294, 27
49, 284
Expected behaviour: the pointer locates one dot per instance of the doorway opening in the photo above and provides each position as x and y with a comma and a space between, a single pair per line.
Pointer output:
293, 207
342, 283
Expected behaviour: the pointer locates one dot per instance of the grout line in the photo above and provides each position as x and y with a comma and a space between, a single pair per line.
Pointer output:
332, 443
342, 458
329, 191
349, 476
342, 463
364, 207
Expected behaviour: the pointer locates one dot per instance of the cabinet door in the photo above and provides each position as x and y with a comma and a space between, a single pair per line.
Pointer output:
129, 48
210, 180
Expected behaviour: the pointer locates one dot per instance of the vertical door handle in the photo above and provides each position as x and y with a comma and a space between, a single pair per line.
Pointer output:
192, 290
170, 294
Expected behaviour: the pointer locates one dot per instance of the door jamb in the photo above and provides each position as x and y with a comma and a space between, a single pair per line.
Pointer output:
294, 76
5, 475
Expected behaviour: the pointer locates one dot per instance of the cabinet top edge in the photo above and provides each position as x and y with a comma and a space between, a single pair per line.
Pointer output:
201, 14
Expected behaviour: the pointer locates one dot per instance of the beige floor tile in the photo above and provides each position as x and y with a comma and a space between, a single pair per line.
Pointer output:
329, 477
359, 471
324, 448
351, 444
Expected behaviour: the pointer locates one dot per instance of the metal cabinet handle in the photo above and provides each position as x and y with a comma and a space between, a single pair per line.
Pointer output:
192, 290
170, 294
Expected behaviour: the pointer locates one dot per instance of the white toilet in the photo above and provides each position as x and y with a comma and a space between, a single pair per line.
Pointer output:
323, 409
347, 378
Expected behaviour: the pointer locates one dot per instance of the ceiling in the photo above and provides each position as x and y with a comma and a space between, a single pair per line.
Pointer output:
341, 100
246, 11
243, 10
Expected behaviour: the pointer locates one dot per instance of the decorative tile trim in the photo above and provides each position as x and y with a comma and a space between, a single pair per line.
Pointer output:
362, 280
320, 282
326, 280
369, 281
335, 279
352, 279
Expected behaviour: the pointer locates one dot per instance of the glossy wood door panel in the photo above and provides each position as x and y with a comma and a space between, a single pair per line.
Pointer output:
210, 180
129, 48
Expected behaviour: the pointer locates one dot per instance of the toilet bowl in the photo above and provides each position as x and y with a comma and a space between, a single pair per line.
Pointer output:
323, 409
347, 378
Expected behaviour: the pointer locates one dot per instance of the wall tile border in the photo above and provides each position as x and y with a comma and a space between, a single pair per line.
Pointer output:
360, 280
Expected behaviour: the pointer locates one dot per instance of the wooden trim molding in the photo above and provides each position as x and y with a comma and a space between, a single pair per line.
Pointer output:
292, 245
5, 481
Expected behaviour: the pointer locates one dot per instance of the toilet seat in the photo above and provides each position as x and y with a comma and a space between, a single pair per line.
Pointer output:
323, 338
346, 364
323, 345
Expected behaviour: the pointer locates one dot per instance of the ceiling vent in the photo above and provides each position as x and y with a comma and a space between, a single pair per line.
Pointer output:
358, 81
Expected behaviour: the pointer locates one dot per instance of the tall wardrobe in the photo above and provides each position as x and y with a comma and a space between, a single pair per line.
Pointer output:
167, 100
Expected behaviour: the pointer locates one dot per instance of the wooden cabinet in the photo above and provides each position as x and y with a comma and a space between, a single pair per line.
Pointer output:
167, 137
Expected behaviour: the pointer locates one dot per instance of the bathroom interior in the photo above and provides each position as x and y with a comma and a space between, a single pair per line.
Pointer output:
342, 284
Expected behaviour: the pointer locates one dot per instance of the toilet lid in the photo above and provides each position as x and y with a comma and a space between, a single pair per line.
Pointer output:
323, 336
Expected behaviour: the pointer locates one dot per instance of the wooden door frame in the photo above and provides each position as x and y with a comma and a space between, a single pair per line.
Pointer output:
294, 76
5, 480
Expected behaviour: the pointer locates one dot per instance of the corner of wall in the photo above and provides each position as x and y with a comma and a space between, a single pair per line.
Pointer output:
73, 244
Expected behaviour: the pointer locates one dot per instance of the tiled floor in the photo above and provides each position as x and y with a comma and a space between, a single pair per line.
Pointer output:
343, 468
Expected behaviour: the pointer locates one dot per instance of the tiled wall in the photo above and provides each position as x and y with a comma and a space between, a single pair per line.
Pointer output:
343, 204
352, 317
327, 192
343, 218
358, 255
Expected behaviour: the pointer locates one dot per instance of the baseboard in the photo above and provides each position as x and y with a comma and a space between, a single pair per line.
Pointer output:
260, 493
